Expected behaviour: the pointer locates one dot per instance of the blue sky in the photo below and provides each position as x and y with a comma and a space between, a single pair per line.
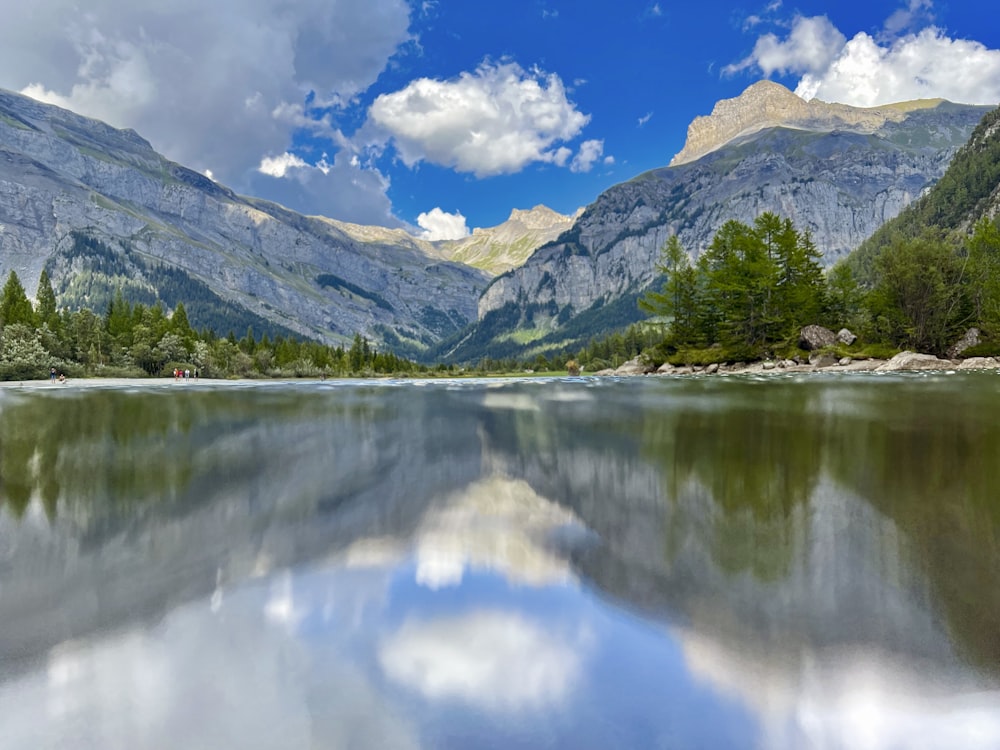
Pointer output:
443, 115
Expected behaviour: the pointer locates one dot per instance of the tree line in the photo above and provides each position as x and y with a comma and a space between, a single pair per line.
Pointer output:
754, 288
136, 339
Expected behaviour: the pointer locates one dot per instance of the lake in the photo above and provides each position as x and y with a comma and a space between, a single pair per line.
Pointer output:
807, 561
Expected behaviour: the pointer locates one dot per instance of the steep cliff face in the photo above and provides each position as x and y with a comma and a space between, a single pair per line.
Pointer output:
840, 184
62, 176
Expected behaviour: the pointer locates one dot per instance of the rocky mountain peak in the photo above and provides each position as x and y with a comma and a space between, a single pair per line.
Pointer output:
767, 104
538, 217
508, 245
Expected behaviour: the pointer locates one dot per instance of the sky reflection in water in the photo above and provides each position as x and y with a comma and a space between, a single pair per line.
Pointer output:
503, 565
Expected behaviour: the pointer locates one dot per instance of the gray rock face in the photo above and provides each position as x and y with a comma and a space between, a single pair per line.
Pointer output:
844, 336
969, 339
839, 185
61, 173
816, 337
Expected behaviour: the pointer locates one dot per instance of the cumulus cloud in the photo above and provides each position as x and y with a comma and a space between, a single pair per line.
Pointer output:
215, 85
917, 66
496, 120
278, 166
866, 71
344, 189
439, 225
811, 45
590, 151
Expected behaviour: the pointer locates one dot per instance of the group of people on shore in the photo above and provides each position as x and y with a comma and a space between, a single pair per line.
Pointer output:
180, 374
53, 377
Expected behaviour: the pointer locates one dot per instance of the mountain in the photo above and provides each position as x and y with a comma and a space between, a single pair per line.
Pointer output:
508, 245
968, 192
769, 105
101, 210
837, 171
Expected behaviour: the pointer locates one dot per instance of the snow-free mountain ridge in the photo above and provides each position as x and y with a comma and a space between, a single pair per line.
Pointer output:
839, 175
101, 211
767, 104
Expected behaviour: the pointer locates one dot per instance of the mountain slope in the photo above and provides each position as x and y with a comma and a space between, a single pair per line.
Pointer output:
967, 192
839, 184
64, 177
508, 245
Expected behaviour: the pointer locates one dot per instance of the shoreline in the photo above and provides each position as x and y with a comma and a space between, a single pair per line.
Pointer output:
905, 361
902, 362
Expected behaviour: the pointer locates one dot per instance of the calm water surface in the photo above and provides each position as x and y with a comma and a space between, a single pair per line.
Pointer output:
798, 562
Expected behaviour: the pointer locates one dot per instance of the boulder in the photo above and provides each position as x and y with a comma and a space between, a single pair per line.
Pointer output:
816, 337
979, 363
844, 361
769, 365
665, 369
844, 336
712, 368
914, 361
823, 360
635, 366
969, 338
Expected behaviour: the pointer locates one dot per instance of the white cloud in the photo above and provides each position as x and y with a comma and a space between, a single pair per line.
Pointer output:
496, 661
344, 190
920, 66
211, 85
496, 120
439, 225
590, 151
866, 71
811, 46
278, 166
645, 118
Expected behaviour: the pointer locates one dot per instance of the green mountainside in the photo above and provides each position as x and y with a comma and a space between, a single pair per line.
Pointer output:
968, 192
840, 184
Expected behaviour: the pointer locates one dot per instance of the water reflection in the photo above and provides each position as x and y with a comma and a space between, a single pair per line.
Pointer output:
719, 563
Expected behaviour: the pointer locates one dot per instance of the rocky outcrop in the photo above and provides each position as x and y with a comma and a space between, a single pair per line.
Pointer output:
979, 363
766, 104
969, 339
844, 336
816, 337
635, 366
913, 361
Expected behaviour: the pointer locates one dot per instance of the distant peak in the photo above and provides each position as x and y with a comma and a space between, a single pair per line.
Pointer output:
767, 104
539, 217
539, 213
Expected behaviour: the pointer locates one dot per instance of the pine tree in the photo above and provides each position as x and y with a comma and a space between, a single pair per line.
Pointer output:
15, 307
46, 303
679, 298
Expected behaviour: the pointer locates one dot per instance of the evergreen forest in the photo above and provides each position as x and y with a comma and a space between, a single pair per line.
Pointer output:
139, 340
